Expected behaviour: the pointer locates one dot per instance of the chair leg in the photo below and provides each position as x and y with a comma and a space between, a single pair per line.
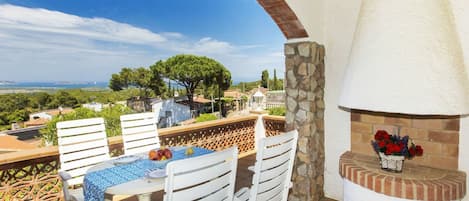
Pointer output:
144, 197
110, 197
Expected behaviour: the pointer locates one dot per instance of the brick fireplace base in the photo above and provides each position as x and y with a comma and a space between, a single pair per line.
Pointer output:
415, 182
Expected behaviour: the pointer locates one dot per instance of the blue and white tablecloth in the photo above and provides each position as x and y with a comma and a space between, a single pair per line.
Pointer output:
96, 183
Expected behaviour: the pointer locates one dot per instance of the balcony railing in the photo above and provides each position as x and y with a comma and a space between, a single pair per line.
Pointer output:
274, 125
32, 174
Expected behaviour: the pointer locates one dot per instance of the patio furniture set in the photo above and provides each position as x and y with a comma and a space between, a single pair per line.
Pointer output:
202, 175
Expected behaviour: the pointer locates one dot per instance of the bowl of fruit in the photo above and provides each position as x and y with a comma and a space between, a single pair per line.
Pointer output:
160, 154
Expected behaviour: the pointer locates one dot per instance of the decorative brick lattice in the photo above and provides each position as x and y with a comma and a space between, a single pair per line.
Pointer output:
35, 179
216, 137
273, 126
116, 149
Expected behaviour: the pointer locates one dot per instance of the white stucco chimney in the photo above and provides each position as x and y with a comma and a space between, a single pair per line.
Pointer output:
406, 58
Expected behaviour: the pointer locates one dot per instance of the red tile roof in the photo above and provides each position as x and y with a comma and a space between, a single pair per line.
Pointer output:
36, 122
10, 143
201, 100
55, 112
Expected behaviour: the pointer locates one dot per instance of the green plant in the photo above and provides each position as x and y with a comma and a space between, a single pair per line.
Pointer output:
278, 111
111, 116
205, 117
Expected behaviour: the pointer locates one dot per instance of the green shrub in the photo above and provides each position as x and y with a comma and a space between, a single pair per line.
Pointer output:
111, 116
205, 117
278, 111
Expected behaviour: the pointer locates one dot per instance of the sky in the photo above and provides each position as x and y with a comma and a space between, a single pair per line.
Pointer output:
89, 40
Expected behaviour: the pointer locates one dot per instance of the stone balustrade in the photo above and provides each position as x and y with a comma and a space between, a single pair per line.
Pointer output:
32, 174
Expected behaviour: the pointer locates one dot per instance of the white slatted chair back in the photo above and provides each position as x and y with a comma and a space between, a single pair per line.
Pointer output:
82, 144
273, 169
139, 132
208, 177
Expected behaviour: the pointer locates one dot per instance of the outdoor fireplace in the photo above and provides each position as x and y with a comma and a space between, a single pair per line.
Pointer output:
433, 176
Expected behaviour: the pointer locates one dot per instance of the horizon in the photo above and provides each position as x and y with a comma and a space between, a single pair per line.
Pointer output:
66, 82
50, 39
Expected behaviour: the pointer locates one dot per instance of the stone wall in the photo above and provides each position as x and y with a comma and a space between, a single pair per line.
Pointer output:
438, 135
305, 112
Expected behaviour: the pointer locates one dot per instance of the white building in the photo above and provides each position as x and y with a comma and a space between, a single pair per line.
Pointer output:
170, 112
97, 107
49, 114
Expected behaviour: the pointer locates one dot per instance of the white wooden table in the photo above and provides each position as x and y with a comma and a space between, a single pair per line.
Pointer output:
142, 187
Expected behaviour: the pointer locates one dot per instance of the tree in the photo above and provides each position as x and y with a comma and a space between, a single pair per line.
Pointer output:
265, 79
40, 100
275, 84
189, 71
116, 83
157, 84
64, 99
144, 79
18, 116
13, 102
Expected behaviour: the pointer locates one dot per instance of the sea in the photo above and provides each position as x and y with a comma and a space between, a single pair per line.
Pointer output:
52, 85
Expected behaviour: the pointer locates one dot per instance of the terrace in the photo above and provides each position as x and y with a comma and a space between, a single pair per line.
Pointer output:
32, 174
412, 81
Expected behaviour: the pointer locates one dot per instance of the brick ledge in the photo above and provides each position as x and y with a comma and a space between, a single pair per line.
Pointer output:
430, 184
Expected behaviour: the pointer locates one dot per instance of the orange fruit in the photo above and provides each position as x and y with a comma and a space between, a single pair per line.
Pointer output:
152, 155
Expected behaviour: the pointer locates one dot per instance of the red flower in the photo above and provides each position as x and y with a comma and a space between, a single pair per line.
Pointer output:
381, 134
381, 144
418, 150
395, 145
388, 152
386, 136
412, 151
396, 148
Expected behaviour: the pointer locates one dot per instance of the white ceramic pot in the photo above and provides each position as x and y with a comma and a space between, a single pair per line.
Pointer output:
391, 162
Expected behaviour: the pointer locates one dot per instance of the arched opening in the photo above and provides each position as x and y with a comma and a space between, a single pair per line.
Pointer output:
304, 75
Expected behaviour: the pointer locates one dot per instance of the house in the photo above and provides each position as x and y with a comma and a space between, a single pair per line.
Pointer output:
35, 122
201, 104
275, 99
170, 112
239, 98
49, 114
353, 68
140, 104
97, 107
41, 118
257, 100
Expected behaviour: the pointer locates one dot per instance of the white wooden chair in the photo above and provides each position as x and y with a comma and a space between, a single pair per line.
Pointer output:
82, 144
139, 132
207, 177
273, 169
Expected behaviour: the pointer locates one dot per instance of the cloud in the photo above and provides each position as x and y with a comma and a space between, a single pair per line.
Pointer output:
212, 46
40, 44
17, 18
